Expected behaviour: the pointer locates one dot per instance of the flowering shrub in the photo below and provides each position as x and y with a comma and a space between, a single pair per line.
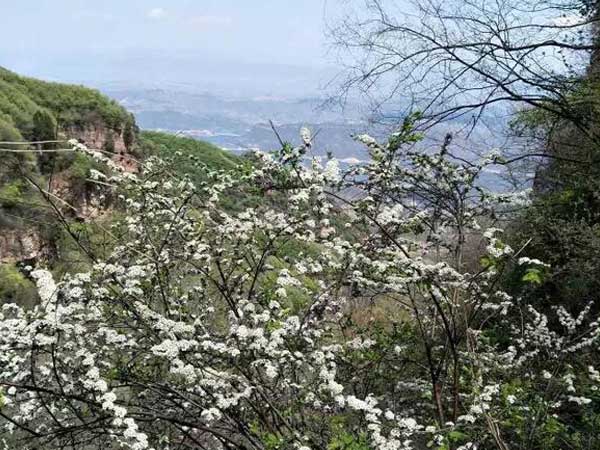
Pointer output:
214, 327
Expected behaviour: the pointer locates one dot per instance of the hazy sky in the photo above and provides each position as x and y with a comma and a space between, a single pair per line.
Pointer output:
36, 35
255, 30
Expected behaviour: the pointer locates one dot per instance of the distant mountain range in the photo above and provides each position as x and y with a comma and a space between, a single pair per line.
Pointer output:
229, 104
240, 124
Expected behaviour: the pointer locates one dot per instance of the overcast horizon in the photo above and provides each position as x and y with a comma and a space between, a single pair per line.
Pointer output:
181, 41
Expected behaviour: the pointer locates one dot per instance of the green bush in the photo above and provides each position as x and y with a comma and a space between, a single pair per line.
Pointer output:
15, 287
44, 126
8, 132
11, 194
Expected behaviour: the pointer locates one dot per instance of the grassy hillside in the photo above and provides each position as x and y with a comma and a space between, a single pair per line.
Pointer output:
187, 155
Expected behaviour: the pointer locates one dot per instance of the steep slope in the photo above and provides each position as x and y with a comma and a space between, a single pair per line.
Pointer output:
34, 110
164, 145
27, 105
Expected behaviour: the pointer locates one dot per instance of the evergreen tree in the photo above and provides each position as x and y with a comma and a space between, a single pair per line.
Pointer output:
44, 127
129, 132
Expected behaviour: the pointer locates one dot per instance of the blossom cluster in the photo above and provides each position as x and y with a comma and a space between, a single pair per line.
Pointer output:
253, 325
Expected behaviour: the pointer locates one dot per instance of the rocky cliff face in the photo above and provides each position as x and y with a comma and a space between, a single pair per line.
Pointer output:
22, 245
28, 244
33, 110
98, 136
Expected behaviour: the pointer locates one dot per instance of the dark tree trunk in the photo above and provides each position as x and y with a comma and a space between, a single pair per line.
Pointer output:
594, 67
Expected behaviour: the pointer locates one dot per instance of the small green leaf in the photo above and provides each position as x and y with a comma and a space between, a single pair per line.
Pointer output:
487, 262
456, 436
533, 276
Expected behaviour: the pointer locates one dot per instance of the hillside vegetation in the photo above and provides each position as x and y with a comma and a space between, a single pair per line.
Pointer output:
166, 145
32, 109
35, 110
22, 97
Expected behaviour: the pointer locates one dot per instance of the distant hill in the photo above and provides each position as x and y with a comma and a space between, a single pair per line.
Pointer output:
242, 123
